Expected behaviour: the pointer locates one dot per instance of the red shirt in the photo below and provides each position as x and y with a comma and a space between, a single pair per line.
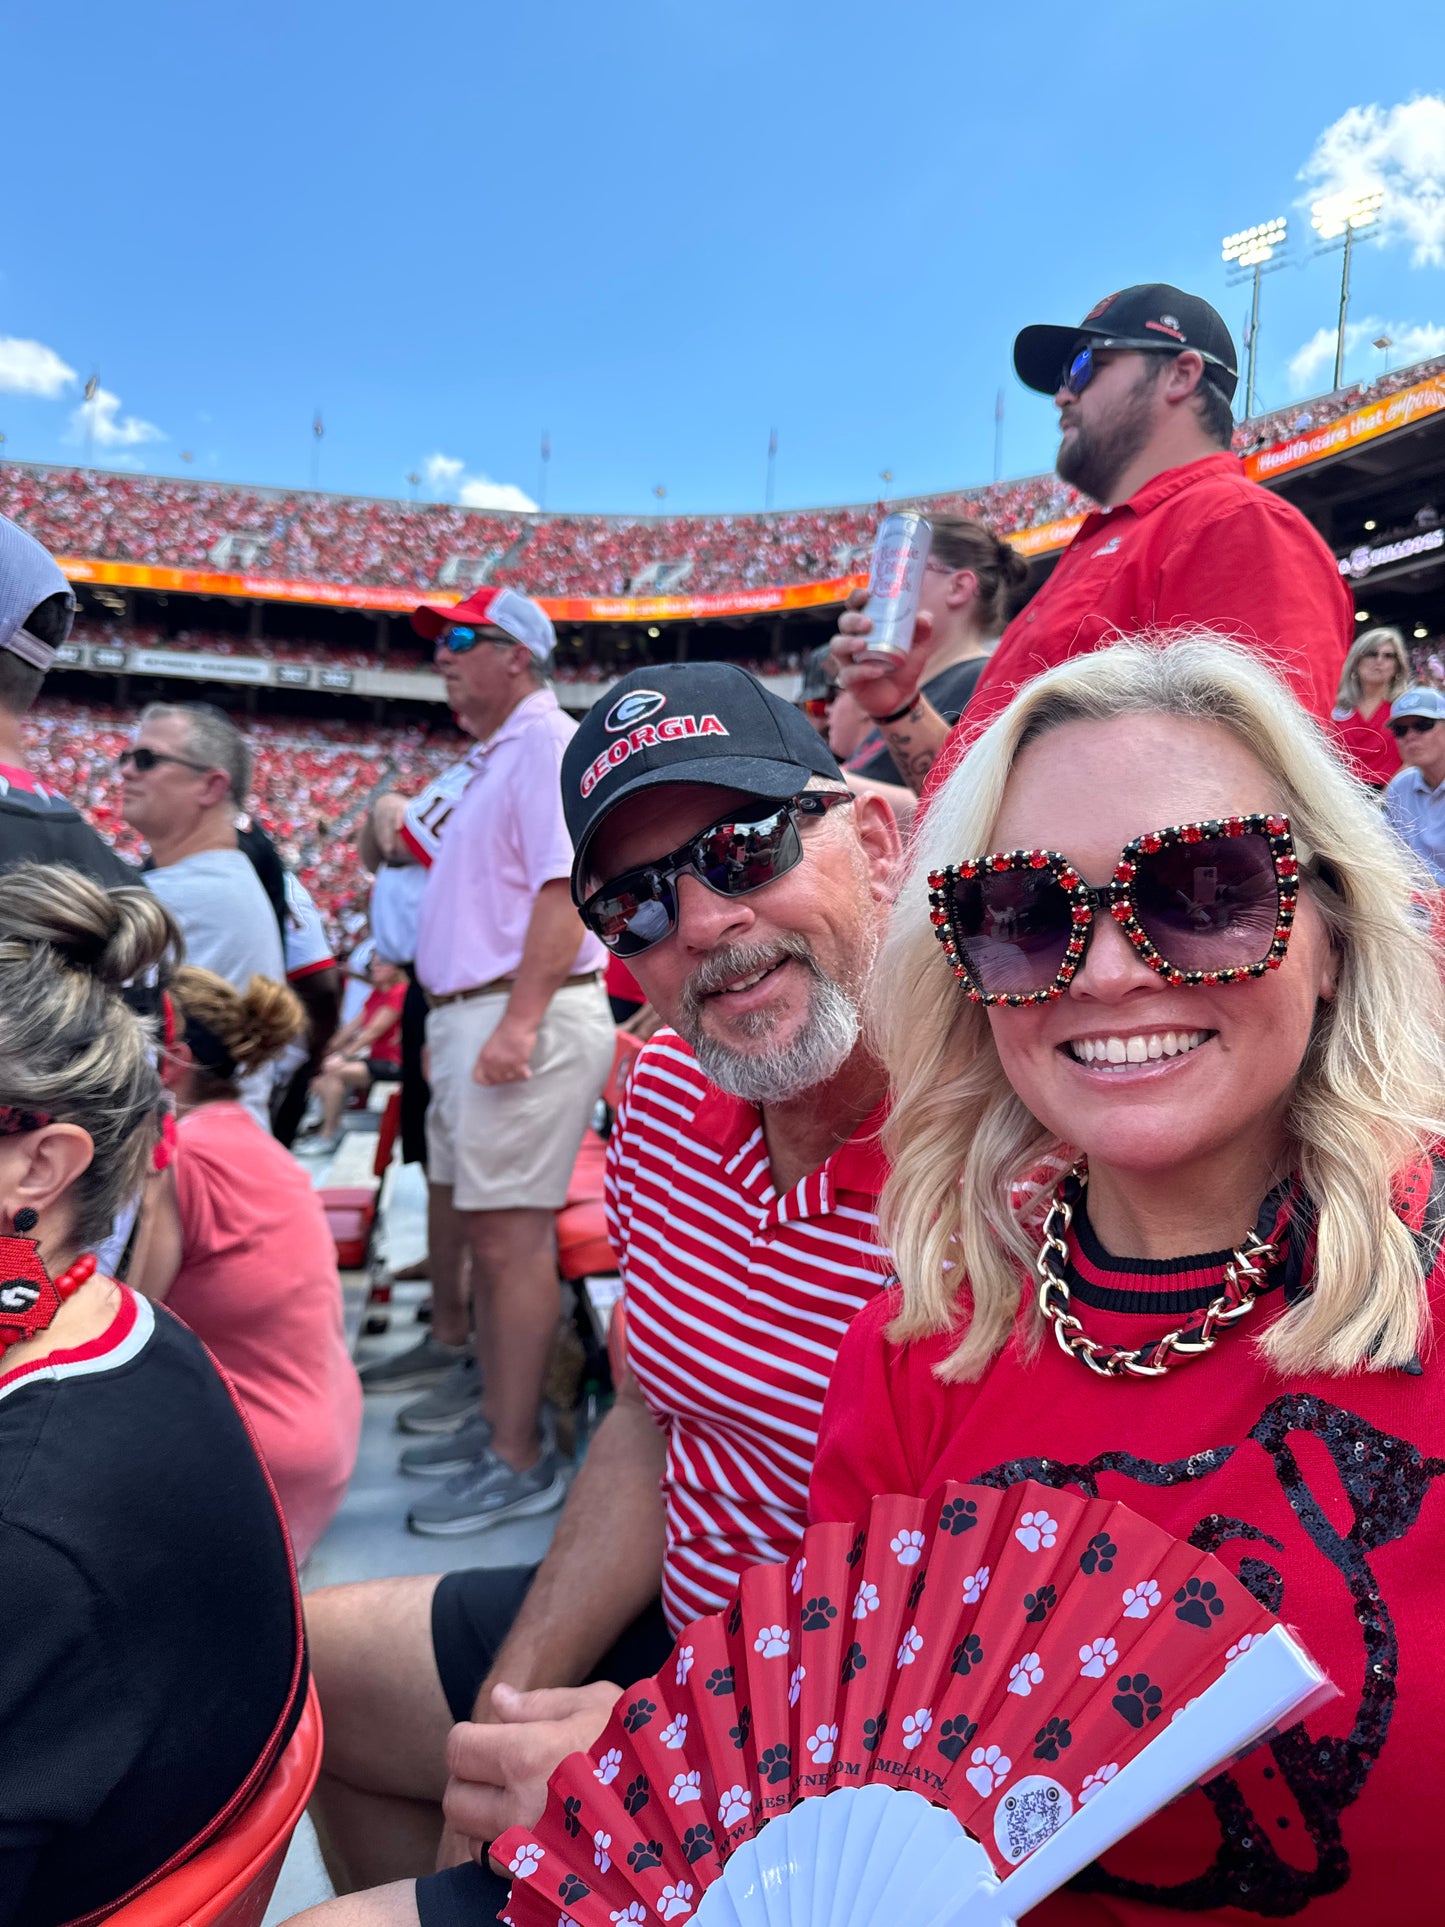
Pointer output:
1366, 744
1200, 545
736, 1301
1326, 1495
385, 1049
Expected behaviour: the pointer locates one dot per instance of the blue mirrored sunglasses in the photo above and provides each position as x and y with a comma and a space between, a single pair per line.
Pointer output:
1083, 367
462, 637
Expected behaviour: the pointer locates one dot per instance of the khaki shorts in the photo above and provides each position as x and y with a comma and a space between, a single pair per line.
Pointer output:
508, 1146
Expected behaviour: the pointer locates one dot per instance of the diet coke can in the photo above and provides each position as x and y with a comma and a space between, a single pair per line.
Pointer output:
895, 583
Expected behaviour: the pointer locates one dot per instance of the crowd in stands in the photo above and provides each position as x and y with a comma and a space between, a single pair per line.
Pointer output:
212, 526
404, 654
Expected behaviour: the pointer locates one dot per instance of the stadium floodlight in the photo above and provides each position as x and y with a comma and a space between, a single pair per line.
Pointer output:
1384, 343
1336, 220
1252, 252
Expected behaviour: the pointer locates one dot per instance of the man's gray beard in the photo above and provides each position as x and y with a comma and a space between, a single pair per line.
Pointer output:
819, 1051
1093, 461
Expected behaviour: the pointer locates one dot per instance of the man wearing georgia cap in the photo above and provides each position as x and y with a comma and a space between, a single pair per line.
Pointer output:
519, 1034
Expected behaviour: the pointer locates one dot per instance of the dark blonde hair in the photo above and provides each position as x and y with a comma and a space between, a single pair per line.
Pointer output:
228, 1032
70, 1047
961, 543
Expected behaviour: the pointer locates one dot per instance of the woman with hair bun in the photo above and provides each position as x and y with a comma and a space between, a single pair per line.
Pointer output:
153, 1661
236, 1242
1166, 1045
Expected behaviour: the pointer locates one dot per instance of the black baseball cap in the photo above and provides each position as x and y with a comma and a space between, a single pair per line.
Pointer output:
1153, 315
704, 722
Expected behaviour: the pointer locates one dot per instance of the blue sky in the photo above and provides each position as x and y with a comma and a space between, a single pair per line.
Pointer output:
659, 229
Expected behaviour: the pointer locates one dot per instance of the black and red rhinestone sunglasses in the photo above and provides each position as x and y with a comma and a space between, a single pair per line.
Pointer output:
1202, 903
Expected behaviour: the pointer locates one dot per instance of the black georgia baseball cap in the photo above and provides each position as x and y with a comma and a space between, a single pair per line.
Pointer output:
1153, 315
704, 722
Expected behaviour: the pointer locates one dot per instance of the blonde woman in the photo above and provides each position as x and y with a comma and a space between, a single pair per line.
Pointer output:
154, 1663
1376, 673
1095, 1116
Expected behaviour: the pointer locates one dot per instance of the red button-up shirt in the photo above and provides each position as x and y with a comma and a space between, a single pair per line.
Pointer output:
1200, 546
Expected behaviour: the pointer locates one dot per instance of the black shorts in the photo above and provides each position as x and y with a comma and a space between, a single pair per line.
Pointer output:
471, 1615
415, 1094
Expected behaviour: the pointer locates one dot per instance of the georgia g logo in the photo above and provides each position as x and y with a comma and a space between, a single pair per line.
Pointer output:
18, 1295
635, 707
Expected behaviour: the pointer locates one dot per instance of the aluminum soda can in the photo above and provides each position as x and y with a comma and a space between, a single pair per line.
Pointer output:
895, 583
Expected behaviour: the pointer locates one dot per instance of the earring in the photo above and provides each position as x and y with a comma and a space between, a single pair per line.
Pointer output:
29, 1296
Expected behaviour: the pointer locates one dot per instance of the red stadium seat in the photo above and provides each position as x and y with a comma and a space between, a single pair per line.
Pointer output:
230, 1882
351, 1214
387, 1131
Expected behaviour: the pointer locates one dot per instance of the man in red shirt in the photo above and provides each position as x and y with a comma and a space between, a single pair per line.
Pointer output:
1182, 539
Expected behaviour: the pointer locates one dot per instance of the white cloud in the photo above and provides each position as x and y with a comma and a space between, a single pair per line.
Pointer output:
100, 420
30, 368
442, 471
479, 493
1312, 365
1400, 149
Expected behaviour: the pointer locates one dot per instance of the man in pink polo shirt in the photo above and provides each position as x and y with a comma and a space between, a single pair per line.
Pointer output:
519, 1033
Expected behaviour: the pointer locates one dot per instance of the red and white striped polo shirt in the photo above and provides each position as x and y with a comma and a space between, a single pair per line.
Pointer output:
737, 1300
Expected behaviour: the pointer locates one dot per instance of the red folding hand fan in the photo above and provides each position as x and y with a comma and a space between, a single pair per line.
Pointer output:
987, 1689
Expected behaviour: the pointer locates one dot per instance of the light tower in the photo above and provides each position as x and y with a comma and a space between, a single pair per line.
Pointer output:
1336, 220
1253, 252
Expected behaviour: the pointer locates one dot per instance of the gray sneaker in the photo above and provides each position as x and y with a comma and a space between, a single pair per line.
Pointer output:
413, 1370
449, 1403
489, 1492
456, 1451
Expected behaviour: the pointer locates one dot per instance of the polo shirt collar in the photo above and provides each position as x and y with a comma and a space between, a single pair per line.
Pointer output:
539, 703
1420, 786
729, 1125
1160, 488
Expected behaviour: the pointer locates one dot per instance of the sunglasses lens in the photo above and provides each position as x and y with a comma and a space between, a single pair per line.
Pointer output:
460, 639
1013, 927
1211, 905
137, 759
630, 920
733, 858
1076, 375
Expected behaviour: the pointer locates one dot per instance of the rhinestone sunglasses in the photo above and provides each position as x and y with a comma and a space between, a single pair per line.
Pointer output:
1202, 903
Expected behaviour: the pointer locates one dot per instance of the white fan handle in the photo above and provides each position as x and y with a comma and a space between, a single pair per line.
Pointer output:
1266, 1687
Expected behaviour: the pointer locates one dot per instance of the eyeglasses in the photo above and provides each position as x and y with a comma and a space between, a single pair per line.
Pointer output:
1381, 655
1411, 726
739, 854
1082, 367
1202, 903
815, 708
142, 759
462, 637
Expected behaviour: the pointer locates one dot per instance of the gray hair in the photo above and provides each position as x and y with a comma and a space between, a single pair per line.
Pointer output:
211, 738
70, 1047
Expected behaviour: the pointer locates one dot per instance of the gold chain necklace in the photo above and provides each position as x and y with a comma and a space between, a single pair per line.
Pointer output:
1244, 1280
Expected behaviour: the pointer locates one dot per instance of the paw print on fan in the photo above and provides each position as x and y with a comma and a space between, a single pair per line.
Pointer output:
719, 1681
676, 1900
916, 1725
734, 1621
873, 1731
772, 1642
637, 1715
684, 1664
820, 1744
674, 1734
865, 1600
632, 1915
1036, 1529
644, 1854
1099, 1555
907, 1547
855, 1551
526, 1860
1140, 1600
795, 1684
571, 1807
967, 1654
1025, 1674
1197, 1602
854, 1661
635, 1798
697, 1843
1038, 1605
1096, 1781
563, 1920
959, 1515
685, 1788
954, 1735
1097, 1657
975, 1586
911, 1646
601, 1848
989, 1767
608, 1767
740, 1734
1137, 1698
776, 1764
733, 1806
797, 1579
573, 1887
1241, 1645
817, 1613
915, 1591
1051, 1739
